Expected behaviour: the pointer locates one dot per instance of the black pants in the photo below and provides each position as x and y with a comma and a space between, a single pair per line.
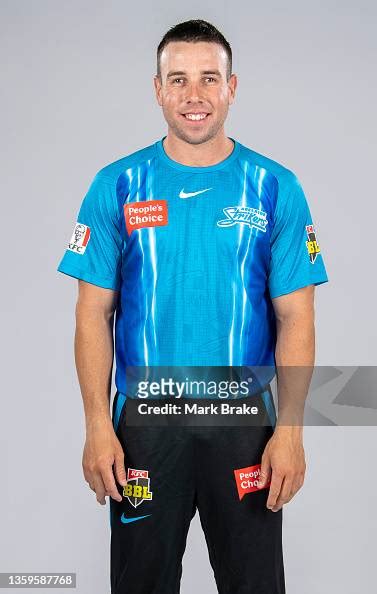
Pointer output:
172, 471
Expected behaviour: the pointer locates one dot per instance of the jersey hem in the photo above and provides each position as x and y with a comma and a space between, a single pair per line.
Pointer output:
296, 286
89, 277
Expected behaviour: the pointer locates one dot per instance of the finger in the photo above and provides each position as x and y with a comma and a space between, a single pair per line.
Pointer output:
87, 475
99, 489
297, 484
120, 471
285, 493
89, 478
109, 483
276, 481
265, 471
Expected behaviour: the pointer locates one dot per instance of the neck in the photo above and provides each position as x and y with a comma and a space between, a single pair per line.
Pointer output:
205, 154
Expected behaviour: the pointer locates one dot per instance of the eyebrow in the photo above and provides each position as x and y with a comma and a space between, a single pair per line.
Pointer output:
182, 72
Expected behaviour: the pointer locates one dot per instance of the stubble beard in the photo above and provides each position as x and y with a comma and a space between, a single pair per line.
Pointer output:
194, 138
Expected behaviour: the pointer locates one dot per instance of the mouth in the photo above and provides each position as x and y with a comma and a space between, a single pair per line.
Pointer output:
195, 116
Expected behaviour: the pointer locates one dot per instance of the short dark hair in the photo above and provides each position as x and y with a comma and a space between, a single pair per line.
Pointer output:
193, 31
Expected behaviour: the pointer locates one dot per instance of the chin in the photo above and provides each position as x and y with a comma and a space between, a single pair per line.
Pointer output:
193, 137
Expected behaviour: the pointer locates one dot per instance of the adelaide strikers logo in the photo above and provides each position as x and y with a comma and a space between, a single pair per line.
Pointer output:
246, 215
137, 488
312, 245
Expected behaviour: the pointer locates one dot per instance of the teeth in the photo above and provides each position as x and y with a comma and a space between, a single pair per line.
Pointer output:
195, 116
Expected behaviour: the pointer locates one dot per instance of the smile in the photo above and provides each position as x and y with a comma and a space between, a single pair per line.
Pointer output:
195, 116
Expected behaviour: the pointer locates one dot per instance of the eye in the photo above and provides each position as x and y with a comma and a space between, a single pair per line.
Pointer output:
211, 78
177, 79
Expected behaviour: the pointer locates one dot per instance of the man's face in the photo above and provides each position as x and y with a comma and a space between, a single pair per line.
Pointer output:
193, 85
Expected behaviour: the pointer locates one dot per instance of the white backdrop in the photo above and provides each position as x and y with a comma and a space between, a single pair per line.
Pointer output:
78, 94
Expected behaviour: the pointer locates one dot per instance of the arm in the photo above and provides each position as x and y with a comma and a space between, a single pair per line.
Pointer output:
294, 271
284, 456
94, 351
295, 352
94, 348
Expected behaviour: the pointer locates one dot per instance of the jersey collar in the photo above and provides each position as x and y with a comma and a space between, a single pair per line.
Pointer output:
176, 165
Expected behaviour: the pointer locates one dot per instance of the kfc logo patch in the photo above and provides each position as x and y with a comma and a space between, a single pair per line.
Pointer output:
149, 213
79, 239
247, 480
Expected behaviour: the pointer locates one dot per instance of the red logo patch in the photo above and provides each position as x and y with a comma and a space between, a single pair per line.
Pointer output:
133, 474
247, 480
149, 213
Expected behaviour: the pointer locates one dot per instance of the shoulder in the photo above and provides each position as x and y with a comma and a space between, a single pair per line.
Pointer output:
110, 173
284, 176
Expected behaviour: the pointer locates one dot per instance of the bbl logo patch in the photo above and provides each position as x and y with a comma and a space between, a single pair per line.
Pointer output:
137, 488
311, 244
79, 239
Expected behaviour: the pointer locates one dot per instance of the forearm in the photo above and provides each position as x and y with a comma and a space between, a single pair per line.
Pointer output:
295, 353
94, 352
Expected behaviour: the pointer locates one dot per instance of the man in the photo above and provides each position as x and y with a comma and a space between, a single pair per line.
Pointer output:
207, 253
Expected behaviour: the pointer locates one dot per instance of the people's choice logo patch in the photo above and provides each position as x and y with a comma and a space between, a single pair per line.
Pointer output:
311, 244
246, 215
137, 488
148, 213
247, 480
79, 239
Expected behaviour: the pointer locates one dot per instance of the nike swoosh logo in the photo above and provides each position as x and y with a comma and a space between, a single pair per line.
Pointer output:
183, 194
125, 520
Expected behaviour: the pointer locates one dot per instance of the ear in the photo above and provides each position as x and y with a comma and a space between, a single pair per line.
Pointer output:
232, 85
158, 89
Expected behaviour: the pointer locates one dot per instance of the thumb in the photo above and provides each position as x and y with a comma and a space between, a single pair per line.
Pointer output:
120, 471
264, 472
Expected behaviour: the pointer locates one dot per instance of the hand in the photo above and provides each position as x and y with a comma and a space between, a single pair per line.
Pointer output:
284, 457
102, 450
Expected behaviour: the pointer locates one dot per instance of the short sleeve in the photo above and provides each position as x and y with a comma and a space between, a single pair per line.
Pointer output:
296, 257
94, 250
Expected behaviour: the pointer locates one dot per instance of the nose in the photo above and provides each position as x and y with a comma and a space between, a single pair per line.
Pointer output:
193, 93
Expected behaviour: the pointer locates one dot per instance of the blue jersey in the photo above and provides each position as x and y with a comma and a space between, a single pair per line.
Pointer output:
196, 253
